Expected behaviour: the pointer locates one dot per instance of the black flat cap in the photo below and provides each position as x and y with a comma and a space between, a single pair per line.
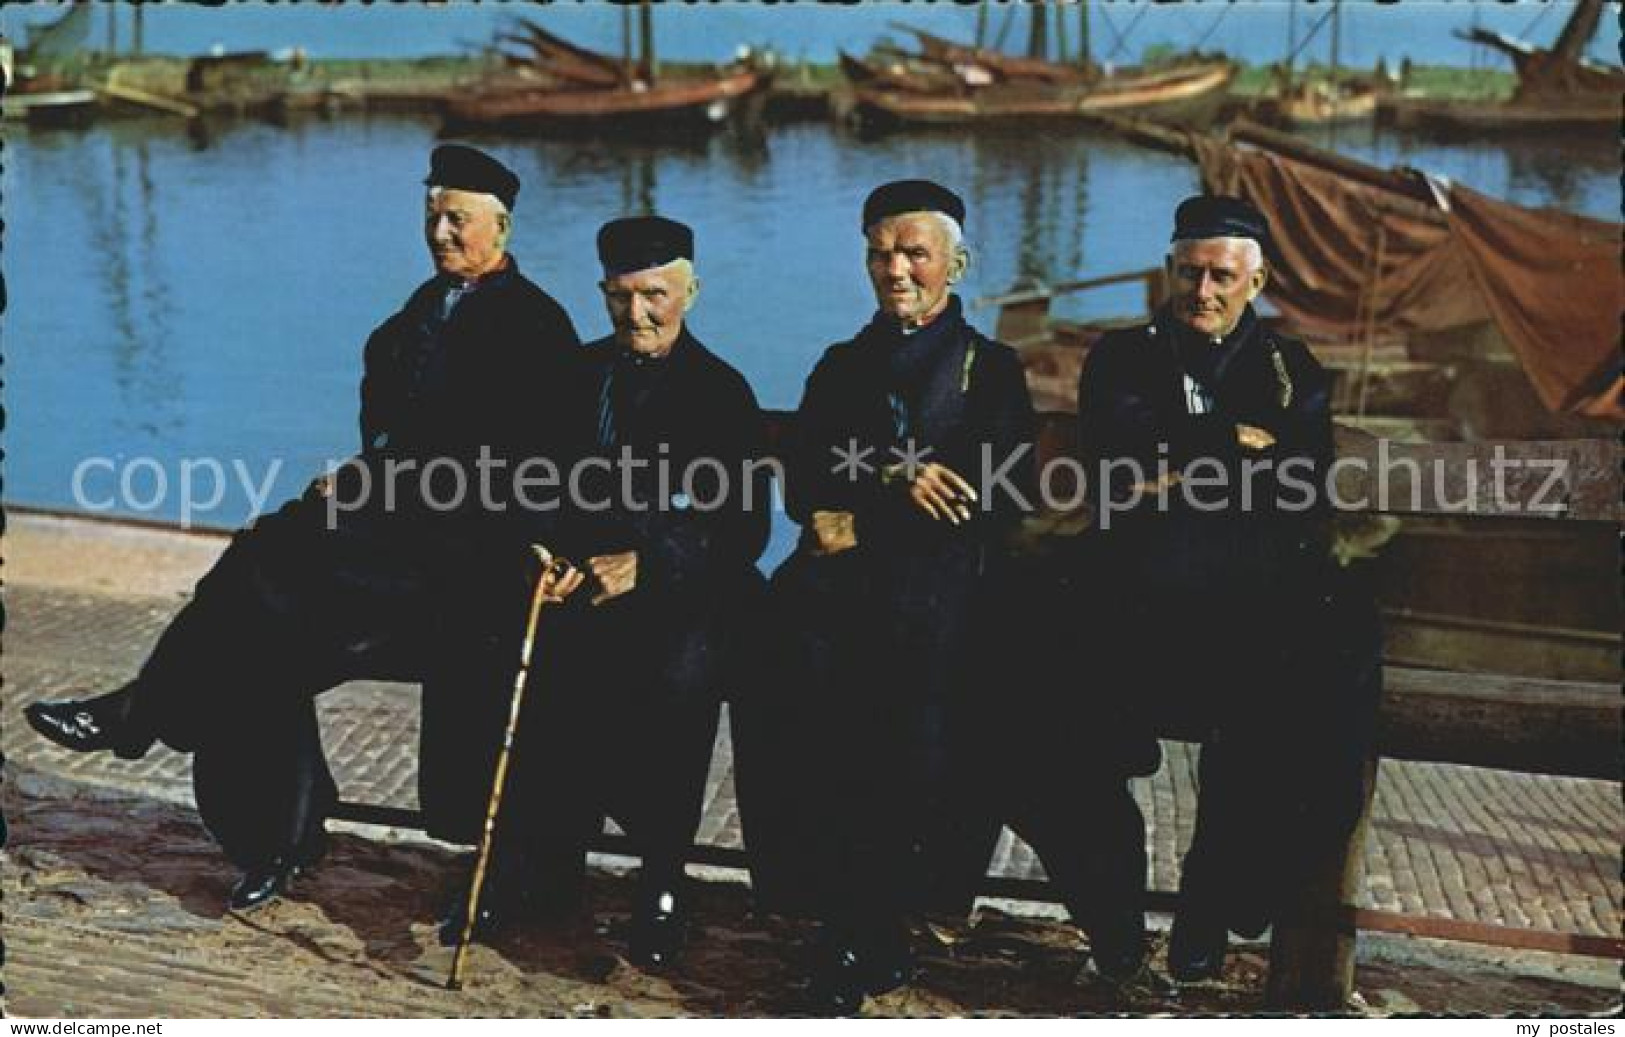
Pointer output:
463, 168
642, 242
1219, 216
902, 196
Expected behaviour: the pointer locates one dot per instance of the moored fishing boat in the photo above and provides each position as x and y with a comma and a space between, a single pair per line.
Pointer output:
1559, 90
1185, 94
565, 88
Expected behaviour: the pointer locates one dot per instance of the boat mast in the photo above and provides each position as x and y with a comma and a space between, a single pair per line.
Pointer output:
1083, 34
626, 44
646, 37
1038, 32
1581, 26
1337, 27
981, 24
1291, 44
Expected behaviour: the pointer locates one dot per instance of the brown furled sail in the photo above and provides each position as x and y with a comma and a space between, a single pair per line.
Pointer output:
1552, 282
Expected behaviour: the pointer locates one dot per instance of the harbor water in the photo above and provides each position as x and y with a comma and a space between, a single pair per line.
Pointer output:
176, 295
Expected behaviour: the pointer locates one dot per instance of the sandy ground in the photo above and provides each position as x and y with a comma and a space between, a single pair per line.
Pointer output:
114, 906
135, 885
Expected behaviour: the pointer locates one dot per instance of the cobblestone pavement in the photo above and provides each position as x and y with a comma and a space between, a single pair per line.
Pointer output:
1458, 842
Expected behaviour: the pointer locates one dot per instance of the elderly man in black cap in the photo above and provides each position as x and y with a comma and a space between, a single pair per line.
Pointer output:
890, 476
1211, 434
358, 576
669, 513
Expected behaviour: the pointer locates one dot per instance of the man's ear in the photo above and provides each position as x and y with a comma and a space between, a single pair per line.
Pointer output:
1256, 283
960, 263
693, 294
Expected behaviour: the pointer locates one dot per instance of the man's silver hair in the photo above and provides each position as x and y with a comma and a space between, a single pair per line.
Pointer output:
1251, 252
950, 226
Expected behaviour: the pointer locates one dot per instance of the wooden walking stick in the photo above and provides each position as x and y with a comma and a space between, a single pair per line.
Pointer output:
550, 566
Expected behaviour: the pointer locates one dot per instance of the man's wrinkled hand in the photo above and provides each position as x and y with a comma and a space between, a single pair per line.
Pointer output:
942, 493
1158, 486
615, 575
560, 580
834, 531
1254, 438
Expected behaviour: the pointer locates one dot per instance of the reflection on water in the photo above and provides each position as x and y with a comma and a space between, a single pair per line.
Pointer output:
197, 293
1560, 177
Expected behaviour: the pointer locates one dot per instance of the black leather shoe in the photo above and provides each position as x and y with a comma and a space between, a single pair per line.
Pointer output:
500, 903
259, 886
837, 987
90, 725
488, 922
1133, 982
659, 930
845, 977
1197, 947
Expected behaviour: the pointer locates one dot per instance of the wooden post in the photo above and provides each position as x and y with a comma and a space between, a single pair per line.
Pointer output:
1312, 946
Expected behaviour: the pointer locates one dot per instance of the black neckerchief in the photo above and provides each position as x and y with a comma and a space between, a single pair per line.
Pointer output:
1207, 361
630, 379
424, 361
924, 372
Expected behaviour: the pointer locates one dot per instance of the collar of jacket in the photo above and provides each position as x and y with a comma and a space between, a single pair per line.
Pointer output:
907, 357
621, 356
1196, 354
885, 330
507, 271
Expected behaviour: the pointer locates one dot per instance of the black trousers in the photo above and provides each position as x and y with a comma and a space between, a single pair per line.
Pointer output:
1273, 659
619, 719
844, 747
1057, 748
291, 609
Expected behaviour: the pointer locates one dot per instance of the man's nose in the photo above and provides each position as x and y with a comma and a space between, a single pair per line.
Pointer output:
897, 266
440, 228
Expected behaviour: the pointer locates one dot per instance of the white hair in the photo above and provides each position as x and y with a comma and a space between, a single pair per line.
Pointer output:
496, 203
950, 226
680, 265
1252, 254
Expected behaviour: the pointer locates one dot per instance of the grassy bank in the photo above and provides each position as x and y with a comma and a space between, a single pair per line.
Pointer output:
1443, 82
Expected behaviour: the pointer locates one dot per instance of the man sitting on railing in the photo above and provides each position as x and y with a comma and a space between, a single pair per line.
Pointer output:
666, 522
1212, 436
355, 577
844, 752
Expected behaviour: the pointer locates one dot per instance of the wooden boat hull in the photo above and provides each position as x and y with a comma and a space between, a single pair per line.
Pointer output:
691, 105
1183, 95
50, 106
1305, 111
883, 76
1472, 117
